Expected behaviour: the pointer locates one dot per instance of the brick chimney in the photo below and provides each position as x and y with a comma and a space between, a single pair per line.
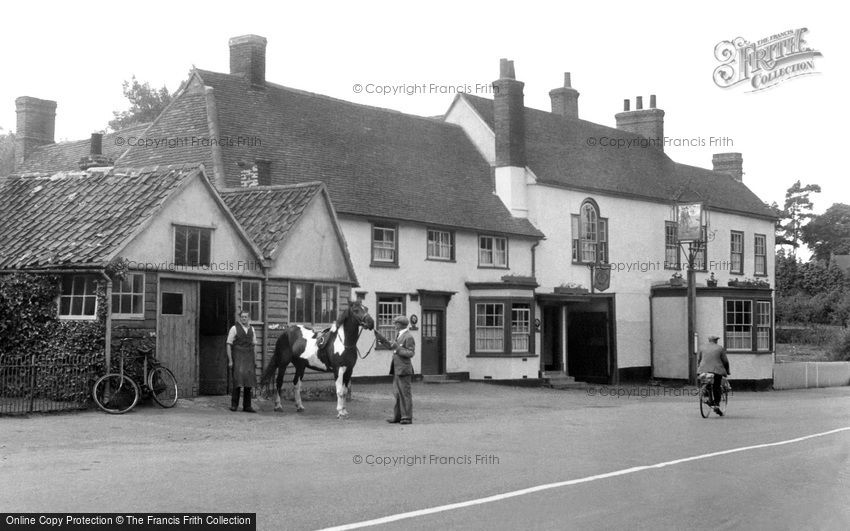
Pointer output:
509, 115
509, 118
96, 144
36, 126
96, 158
731, 163
248, 58
565, 99
648, 123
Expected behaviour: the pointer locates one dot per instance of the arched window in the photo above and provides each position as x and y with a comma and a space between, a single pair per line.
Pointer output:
590, 235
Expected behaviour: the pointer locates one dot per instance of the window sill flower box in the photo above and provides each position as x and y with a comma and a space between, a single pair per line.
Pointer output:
569, 289
748, 283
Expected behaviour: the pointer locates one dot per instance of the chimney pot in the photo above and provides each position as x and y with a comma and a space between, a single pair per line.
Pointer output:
627, 105
506, 69
648, 123
567, 80
96, 144
248, 58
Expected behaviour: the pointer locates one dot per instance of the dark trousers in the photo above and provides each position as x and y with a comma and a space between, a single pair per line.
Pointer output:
716, 388
246, 397
403, 409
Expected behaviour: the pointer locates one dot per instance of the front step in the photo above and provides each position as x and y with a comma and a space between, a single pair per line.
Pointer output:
438, 379
559, 380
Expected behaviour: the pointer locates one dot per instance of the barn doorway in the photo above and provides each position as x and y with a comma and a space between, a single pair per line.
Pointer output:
217, 315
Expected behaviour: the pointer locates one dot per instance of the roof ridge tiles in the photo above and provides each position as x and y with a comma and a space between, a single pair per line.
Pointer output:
438, 120
272, 187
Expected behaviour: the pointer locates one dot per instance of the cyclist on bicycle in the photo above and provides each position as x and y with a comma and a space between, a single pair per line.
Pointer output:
712, 359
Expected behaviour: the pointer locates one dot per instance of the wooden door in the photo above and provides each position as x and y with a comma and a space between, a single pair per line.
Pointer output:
177, 339
433, 339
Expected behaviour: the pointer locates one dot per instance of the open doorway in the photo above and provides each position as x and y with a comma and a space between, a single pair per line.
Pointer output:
589, 341
217, 315
552, 353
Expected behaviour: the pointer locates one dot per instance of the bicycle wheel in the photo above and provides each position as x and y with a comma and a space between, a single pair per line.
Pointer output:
704, 398
115, 393
163, 386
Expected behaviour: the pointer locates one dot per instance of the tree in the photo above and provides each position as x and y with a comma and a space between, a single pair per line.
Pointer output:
145, 104
787, 274
797, 212
829, 233
7, 152
778, 230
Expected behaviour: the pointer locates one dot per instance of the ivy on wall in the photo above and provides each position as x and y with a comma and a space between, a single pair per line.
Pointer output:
33, 334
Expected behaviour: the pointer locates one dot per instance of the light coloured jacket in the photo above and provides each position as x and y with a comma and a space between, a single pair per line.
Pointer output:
712, 358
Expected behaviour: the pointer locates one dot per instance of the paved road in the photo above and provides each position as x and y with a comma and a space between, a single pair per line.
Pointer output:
470, 441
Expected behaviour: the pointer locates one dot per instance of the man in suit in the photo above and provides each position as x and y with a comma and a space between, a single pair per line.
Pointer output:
404, 347
712, 359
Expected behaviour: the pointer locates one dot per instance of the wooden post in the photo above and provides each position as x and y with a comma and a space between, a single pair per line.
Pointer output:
692, 316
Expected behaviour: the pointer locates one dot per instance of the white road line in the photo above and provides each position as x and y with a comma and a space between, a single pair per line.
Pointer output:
531, 490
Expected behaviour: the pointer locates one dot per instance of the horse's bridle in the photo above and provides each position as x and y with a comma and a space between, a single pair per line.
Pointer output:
361, 326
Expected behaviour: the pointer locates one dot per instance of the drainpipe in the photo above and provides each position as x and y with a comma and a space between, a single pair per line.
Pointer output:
651, 340
265, 316
107, 350
534, 260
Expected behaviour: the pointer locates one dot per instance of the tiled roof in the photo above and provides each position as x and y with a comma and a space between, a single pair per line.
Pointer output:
267, 213
558, 153
375, 162
65, 156
179, 135
79, 218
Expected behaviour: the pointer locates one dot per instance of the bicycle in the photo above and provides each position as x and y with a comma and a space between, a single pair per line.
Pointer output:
706, 382
117, 393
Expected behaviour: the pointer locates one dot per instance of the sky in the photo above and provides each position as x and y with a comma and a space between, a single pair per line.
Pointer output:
79, 53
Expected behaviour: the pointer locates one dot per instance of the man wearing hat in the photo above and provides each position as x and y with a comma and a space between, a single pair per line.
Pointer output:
712, 359
404, 347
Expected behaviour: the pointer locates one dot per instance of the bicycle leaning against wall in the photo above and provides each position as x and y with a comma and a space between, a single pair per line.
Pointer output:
117, 392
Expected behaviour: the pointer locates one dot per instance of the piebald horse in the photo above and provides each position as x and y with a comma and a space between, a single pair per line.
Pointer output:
299, 345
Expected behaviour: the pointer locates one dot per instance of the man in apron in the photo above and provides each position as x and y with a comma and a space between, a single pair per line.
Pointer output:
241, 342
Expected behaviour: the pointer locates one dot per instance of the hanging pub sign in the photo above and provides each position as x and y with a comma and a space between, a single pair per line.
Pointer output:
689, 221
601, 277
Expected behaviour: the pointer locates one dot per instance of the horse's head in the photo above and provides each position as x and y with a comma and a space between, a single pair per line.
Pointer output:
361, 313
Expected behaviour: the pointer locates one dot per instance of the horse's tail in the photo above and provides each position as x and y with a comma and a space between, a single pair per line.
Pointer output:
276, 362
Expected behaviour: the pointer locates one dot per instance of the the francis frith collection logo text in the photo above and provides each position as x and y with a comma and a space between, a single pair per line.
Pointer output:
765, 63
